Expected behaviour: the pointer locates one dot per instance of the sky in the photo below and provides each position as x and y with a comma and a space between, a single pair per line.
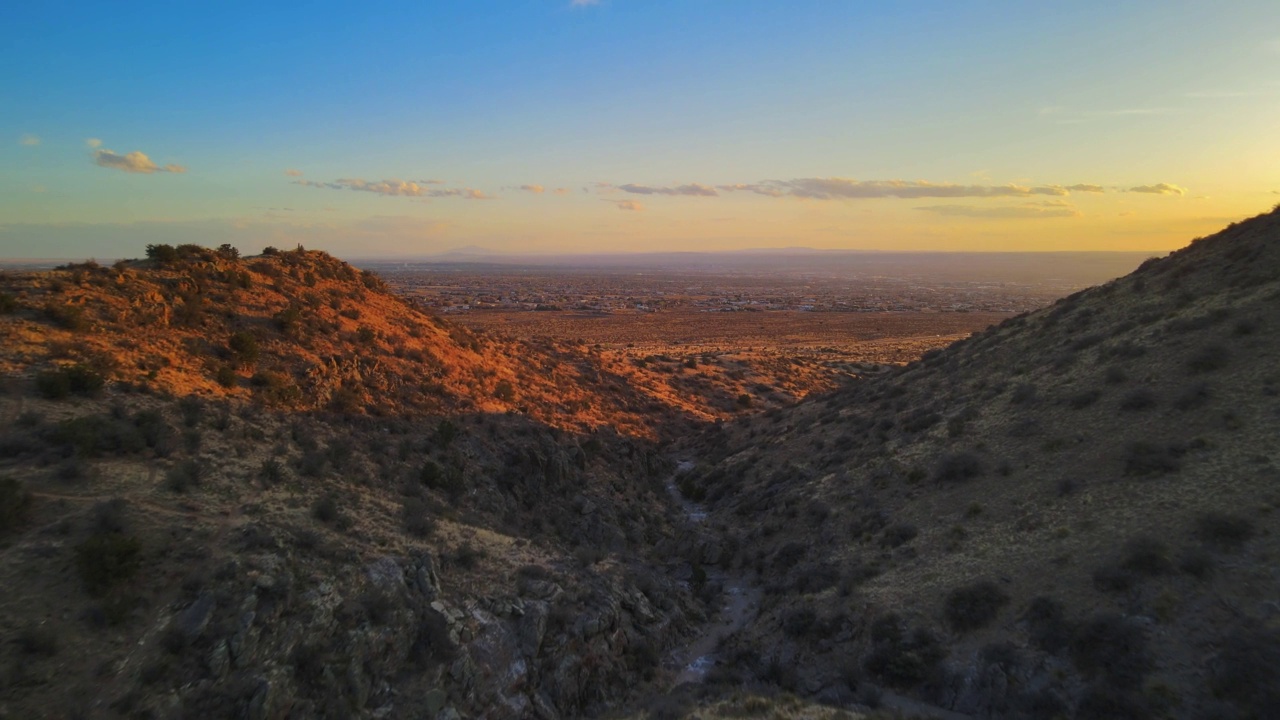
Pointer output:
549, 126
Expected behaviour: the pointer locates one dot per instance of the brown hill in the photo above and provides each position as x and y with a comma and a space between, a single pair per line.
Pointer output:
1072, 514
302, 330
265, 488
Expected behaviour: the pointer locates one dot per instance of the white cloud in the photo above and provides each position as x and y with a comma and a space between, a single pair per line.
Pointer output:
29, 140
293, 173
1159, 189
835, 188
1087, 188
1017, 212
134, 162
396, 188
93, 143
583, 3
693, 189
630, 205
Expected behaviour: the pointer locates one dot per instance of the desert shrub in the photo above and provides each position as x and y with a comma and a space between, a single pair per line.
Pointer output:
467, 556
184, 475
162, 253
288, 320
899, 534
1146, 556
226, 376
1105, 702
107, 559
1114, 578
58, 383
1047, 625
1223, 530
14, 502
1208, 359
958, 467
244, 346
974, 606
366, 335
1138, 399
1196, 562
417, 521
1083, 399
815, 578
901, 657
1246, 672
1112, 647
37, 640
446, 432
798, 622
271, 471
504, 391
8, 304
67, 317
1193, 397
1143, 458
192, 410
1115, 375
326, 510
1022, 394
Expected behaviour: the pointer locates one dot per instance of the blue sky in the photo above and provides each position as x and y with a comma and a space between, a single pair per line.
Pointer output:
664, 125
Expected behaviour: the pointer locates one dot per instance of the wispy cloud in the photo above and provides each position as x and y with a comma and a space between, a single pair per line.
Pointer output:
134, 162
535, 189
293, 173
1159, 189
29, 140
836, 188
1086, 188
1017, 212
583, 3
561, 191
629, 205
93, 143
397, 188
692, 189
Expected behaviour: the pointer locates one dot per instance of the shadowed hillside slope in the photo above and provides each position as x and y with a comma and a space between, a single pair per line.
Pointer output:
1072, 514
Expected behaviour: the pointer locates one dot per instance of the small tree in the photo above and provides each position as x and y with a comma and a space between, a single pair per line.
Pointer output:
162, 253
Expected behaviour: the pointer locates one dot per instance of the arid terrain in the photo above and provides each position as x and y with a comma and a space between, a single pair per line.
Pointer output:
273, 487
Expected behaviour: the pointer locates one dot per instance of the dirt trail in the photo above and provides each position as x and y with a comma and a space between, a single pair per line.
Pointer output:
740, 602
740, 606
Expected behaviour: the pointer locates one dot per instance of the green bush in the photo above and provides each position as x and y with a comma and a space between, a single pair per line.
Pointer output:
244, 346
1112, 647
1246, 671
1047, 625
107, 559
67, 317
1144, 459
226, 376
58, 383
162, 253
958, 467
900, 657
1223, 530
14, 502
974, 606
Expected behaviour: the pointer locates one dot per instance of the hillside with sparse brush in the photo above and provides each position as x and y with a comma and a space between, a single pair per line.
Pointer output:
1073, 514
269, 488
